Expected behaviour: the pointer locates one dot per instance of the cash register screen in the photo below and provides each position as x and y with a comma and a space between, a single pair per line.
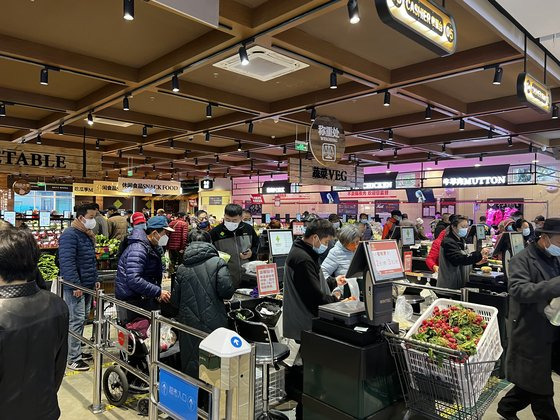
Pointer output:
280, 241
407, 235
517, 244
480, 232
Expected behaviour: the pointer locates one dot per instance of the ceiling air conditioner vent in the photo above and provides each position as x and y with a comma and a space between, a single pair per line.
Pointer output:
264, 64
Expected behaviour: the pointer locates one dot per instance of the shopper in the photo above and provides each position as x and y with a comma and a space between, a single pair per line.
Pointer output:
177, 242
33, 333
365, 228
201, 285
434, 223
392, 222
482, 221
263, 250
335, 220
139, 272
237, 239
117, 224
247, 217
338, 260
442, 224
533, 281
419, 229
161, 212
539, 222
524, 227
138, 221
455, 262
432, 260
76, 255
405, 221
202, 222
101, 227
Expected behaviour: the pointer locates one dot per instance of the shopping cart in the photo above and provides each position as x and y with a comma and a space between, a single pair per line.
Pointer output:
429, 393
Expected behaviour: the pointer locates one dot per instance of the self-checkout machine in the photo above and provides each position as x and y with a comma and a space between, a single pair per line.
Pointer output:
348, 369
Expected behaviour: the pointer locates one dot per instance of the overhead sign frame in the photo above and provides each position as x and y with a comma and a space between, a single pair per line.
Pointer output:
534, 93
326, 140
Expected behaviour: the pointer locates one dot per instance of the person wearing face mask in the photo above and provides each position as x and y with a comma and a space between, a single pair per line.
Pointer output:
247, 217
76, 256
237, 239
392, 222
338, 260
202, 222
177, 243
455, 262
524, 227
365, 227
539, 222
139, 272
442, 224
533, 281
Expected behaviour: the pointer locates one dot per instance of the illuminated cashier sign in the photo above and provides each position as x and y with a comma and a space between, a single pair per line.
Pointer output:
206, 184
534, 93
422, 20
488, 176
276, 187
380, 181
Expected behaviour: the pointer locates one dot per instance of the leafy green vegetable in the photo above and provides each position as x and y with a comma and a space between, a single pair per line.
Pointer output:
47, 267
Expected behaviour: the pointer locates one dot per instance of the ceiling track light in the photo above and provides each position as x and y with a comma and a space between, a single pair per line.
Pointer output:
381, 145
196, 161
90, 118
146, 160
353, 11
209, 111
436, 161
97, 144
207, 136
141, 150
278, 166
461, 125
554, 112
145, 131
239, 146
38, 141
243, 56
390, 136
428, 113
443, 147
481, 157
285, 149
396, 152
250, 127
387, 99
510, 141
388, 165
171, 165
498, 73
186, 153
44, 79
175, 83
128, 9
313, 114
490, 133
333, 81
217, 158
2, 109
120, 154
172, 143
125, 104
530, 147
429, 156
60, 130
247, 154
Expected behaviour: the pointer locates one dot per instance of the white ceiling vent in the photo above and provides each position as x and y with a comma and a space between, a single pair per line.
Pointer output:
264, 64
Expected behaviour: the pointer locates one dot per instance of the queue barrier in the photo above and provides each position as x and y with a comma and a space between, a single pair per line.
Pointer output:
101, 344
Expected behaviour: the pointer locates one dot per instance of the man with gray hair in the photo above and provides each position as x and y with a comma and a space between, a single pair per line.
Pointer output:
336, 264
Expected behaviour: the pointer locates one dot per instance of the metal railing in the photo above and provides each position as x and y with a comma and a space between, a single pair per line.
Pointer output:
101, 343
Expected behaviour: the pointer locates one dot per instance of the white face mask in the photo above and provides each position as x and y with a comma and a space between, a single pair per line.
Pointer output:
336, 225
89, 223
231, 226
162, 241
249, 222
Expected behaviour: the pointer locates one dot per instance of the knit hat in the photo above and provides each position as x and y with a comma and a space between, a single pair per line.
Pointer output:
138, 218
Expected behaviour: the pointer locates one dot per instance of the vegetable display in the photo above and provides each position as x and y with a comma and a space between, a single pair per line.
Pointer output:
104, 242
456, 328
47, 267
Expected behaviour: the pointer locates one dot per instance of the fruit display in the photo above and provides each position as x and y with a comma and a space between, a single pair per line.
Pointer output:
455, 328
47, 237
47, 267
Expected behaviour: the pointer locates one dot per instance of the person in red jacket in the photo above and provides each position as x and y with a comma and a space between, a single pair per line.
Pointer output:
177, 242
391, 223
432, 260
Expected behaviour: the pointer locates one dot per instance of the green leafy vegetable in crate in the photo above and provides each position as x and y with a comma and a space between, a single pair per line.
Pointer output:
456, 328
47, 267
112, 244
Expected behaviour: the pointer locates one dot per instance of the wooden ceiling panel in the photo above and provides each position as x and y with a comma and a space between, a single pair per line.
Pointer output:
436, 128
17, 111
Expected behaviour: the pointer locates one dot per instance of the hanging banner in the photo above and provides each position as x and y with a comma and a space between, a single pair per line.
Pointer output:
106, 188
310, 173
484, 176
33, 159
327, 140
421, 20
149, 186
534, 93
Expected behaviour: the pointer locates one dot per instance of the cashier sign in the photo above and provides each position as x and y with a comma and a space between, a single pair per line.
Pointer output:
385, 259
267, 280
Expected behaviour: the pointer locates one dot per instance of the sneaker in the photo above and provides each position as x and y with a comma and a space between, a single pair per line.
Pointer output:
80, 365
87, 356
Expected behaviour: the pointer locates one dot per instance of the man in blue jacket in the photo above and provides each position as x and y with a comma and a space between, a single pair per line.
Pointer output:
139, 272
76, 254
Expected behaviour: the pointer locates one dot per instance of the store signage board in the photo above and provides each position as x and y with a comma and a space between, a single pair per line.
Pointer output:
44, 218
421, 20
407, 257
257, 199
177, 396
21, 186
32, 159
267, 280
276, 187
486, 176
311, 173
347, 208
106, 188
301, 146
10, 217
83, 189
207, 184
143, 186
380, 181
215, 200
327, 140
534, 93
298, 228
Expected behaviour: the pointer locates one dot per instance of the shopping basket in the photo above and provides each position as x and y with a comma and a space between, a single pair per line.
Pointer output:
427, 392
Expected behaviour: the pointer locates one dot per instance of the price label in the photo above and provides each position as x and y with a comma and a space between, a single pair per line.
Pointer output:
44, 218
267, 280
407, 261
298, 228
10, 217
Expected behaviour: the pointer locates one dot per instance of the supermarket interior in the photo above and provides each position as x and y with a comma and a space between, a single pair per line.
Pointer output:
264, 209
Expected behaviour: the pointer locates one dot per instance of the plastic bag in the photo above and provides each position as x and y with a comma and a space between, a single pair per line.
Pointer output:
552, 311
403, 310
251, 266
167, 337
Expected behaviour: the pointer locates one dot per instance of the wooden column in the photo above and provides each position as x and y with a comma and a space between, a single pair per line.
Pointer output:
6, 194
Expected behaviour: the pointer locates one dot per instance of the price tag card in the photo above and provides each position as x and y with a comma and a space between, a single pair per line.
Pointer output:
267, 280
10, 217
385, 260
299, 228
44, 218
407, 261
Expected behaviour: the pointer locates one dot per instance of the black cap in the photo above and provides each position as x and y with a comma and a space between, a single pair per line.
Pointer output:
551, 226
112, 208
396, 213
539, 219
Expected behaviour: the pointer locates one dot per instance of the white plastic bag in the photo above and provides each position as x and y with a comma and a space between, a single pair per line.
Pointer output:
552, 311
403, 310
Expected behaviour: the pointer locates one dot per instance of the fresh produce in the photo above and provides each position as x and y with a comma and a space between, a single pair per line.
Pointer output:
456, 328
112, 244
47, 267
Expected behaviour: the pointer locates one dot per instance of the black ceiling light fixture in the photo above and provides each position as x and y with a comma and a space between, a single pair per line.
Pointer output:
2, 109
278, 166
120, 154
481, 157
171, 165
429, 156
60, 130
207, 136
285, 149
247, 154
128, 9
38, 141
125, 104
554, 112
510, 141
217, 158
381, 145
387, 98
313, 114
395, 152
531, 147
428, 113
186, 153
239, 146
490, 133
175, 83
443, 147
461, 124
436, 161
141, 150
250, 127
243, 56
44, 79
90, 118
145, 131
333, 81
353, 11
390, 134
195, 161
171, 143
498, 73
97, 144
209, 111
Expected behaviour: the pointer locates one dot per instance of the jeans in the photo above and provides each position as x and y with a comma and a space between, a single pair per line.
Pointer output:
79, 309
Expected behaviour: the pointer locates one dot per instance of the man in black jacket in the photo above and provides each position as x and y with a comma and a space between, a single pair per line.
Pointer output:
442, 224
237, 239
33, 333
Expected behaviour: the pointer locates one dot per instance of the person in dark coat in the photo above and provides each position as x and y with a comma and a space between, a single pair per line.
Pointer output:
140, 271
33, 333
442, 224
534, 280
201, 285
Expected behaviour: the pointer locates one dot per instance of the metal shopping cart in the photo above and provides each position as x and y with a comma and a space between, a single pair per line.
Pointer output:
433, 386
